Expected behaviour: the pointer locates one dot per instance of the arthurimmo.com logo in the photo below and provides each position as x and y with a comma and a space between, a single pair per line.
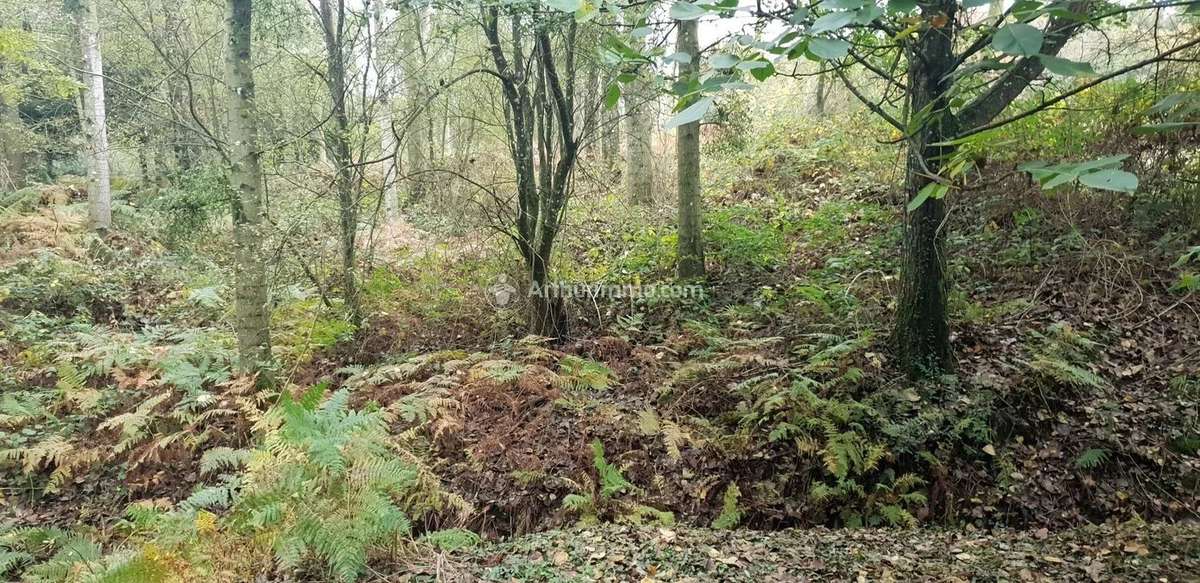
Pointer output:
504, 293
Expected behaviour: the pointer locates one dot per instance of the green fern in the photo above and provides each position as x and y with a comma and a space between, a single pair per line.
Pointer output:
1062, 355
223, 458
451, 539
1092, 458
11, 560
328, 484
612, 481
579, 374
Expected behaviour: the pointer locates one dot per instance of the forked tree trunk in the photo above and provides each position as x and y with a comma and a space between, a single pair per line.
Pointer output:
691, 240
547, 314
337, 139
253, 317
95, 121
922, 333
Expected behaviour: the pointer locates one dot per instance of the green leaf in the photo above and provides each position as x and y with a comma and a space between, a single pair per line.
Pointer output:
831, 21
1018, 38
1110, 179
975, 3
686, 11
932, 190
843, 4
1067, 67
693, 113
681, 58
764, 72
828, 48
612, 96
867, 14
1170, 126
723, 61
903, 6
564, 5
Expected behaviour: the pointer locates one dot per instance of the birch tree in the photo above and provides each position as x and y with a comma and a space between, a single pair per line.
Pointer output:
94, 118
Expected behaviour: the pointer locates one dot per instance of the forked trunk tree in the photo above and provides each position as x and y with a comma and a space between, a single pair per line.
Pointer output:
942, 77
95, 119
921, 337
538, 89
252, 300
332, 16
922, 334
687, 139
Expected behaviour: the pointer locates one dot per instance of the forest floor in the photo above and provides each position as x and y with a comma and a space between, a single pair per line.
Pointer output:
623, 553
748, 434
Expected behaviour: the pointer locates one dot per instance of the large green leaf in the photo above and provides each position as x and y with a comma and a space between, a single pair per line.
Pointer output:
723, 61
828, 48
686, 11
564, 5
831, 21
1018, 38
612, 96
692, 113
934, 190
1067, 67
1110, 179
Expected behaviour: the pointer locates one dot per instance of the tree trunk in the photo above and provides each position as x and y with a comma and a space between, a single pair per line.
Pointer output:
177, 89
922, 333
337, 140
610, 136
691, 239
12, 148
822, 93
383, 87
252, 301
95, 121
547, 314
418, 134
639, 135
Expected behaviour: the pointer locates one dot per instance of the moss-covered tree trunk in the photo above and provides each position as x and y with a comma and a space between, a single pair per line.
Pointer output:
691, 240
252, 302
922, 333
